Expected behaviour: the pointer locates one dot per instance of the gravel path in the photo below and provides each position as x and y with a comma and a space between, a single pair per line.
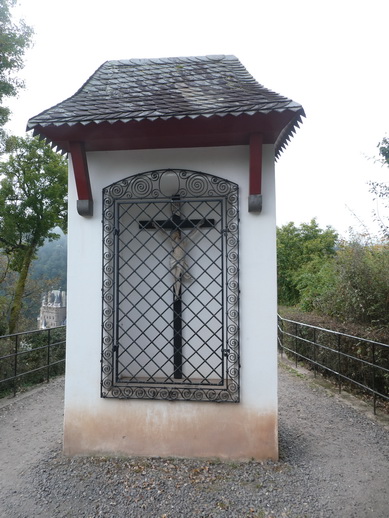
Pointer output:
334, 463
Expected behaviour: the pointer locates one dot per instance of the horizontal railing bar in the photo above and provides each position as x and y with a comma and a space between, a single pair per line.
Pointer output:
29, 351
334, 332
366, 366
313, 362
34, 331
53, 339
340, 353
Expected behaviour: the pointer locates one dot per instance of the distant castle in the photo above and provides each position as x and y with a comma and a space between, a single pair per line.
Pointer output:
53, 310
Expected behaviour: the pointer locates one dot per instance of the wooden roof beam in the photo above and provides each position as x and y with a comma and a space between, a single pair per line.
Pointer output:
81, 175
255, 182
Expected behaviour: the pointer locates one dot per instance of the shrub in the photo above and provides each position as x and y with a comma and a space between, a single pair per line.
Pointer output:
354, 286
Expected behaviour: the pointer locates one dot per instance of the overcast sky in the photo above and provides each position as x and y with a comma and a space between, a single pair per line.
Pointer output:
329, 56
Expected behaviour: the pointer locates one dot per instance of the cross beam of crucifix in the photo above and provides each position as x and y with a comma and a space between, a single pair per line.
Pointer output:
178, 267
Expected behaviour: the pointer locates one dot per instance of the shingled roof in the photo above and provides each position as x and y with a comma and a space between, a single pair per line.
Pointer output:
127, 99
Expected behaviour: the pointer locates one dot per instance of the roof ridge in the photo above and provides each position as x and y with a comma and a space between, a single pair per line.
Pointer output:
174, 60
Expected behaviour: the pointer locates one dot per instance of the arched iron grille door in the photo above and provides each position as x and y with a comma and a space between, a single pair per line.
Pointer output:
170, 288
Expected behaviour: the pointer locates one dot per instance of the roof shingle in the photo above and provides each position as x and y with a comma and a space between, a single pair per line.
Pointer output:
168, 88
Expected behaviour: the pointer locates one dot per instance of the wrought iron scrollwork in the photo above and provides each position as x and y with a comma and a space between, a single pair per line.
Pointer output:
163, 340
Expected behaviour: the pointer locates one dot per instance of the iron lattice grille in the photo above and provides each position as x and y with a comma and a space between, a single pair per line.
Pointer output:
170, 288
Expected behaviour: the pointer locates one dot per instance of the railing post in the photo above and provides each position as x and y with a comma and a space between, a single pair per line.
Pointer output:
374, 380
295, 343
339, 366
281, 334
16, 349
48, 354
314, 353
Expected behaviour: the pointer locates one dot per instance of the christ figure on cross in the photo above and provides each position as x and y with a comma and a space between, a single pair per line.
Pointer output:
178, 266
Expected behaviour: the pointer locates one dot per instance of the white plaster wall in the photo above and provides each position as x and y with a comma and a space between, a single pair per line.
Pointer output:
251, 423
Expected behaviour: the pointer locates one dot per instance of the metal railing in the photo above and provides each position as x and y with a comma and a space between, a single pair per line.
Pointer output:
349, 360
31, 357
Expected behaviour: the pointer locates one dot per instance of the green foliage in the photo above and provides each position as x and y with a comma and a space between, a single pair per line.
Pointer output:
33, 201
348, 280
301, 253
14, 40
32, 197
318, 278
357, 287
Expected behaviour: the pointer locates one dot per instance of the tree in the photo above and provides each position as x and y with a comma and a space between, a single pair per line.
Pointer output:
301, 251
383, 151
14, 40
380, 190
4, 270
33, 193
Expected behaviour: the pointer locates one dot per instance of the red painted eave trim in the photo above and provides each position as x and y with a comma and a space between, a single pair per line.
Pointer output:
172, 133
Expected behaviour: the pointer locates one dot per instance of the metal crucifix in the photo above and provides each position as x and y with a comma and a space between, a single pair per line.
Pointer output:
173, 228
